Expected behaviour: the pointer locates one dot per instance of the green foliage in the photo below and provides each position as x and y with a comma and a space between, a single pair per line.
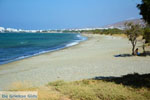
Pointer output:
133, 31
145, 10
146, 35
105, 31
97, 31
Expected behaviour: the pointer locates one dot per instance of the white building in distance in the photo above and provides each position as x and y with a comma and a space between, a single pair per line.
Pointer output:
2, 29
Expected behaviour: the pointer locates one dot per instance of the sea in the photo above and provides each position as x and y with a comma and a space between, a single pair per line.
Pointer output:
16, 46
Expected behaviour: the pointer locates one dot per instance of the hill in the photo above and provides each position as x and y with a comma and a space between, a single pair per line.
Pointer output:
121, 25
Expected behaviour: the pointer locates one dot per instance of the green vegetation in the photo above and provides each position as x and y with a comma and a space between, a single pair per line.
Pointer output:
108, 31
146, 35
98, 31
145, 12
133, 31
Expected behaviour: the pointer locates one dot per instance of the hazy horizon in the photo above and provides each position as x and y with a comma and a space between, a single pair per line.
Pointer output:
65, 14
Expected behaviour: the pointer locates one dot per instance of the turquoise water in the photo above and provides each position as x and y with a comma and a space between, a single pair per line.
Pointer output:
15, 46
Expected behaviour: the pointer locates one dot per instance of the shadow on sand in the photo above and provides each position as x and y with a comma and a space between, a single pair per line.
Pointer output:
134, 80
147, 53
123, 55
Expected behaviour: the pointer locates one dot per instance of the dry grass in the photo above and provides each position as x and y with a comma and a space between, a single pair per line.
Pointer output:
44, 93
100, 90
86, 90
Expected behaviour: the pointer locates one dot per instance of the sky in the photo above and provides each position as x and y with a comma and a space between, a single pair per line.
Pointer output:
65, 14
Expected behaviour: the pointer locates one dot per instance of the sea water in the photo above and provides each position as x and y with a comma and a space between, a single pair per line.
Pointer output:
16, 46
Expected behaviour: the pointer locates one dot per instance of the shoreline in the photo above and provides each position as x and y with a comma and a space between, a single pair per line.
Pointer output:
48, 52
70, 44
90, 58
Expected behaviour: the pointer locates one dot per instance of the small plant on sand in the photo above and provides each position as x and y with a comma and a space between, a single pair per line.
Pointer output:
133, 31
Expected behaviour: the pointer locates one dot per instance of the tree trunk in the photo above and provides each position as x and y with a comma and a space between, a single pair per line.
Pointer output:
133, 47
144, 47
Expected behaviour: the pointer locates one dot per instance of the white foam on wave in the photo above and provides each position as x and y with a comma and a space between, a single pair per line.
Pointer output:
72, 44
80, 37
75, 42
22, 57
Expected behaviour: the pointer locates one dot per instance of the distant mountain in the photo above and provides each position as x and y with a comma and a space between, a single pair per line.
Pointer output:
121, 25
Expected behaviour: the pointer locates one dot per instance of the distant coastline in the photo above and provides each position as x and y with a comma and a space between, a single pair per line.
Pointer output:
118, 25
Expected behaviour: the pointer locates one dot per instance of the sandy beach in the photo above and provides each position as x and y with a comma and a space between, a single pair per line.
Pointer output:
91, 58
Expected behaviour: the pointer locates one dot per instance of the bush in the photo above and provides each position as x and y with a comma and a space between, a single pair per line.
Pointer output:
147, 35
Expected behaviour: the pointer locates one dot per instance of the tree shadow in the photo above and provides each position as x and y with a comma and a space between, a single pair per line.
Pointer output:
134, 80
123, 55
146, 53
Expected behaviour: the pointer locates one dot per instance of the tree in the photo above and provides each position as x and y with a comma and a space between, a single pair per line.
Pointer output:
146, 35
132, 31
145, 12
